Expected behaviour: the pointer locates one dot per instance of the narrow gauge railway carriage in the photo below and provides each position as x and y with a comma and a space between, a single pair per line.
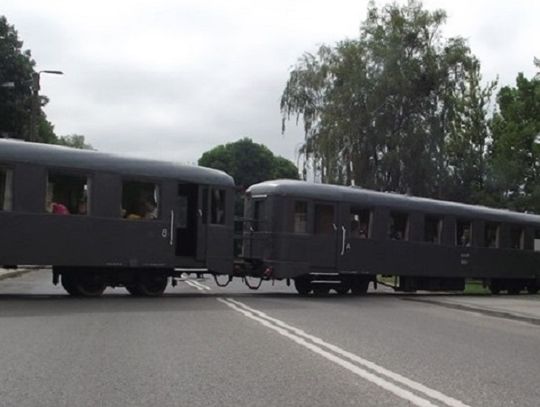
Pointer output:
333, 237
102, 220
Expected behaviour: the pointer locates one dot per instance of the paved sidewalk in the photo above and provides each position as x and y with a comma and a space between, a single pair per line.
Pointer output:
524, 307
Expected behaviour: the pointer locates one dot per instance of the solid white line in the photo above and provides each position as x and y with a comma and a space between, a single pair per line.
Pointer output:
379, 381
203, 286
434, 394
190, 283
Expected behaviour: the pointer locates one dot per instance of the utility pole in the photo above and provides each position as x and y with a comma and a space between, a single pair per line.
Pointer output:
36, 104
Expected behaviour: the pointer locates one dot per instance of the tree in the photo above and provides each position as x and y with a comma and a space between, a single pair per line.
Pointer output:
16, 68
248, 162
75, 141
383, 111
515, 150
284, 169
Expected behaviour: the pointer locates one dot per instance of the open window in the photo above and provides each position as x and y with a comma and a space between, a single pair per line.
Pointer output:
517, 238
537, 240
360, 223
398, 226
324, 219
259, 208
67, 194
6, 189
432, 229
463, 233
491, 235
300, 217
140, 200
217, 207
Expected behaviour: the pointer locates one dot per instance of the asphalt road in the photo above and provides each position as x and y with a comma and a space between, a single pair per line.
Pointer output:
201, 345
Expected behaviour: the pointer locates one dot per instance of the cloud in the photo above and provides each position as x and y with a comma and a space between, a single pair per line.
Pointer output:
171, 79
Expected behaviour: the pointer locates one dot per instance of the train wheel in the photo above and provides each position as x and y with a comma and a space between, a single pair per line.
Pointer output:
359, 286
68, 283
133, 289
342, 290
514, 291
83, 284
302, 285
90, 284
495, 288
150, 285
321, 290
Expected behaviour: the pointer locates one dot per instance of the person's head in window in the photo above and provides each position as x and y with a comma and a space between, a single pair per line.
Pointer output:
363, 231
466, 237
54, 207
82, 207
149, 209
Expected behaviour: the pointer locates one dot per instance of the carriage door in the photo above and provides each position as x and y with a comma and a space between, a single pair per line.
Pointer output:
189, 230
355, 225
325, 236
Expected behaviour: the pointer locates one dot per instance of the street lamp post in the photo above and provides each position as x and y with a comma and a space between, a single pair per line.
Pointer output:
36, 103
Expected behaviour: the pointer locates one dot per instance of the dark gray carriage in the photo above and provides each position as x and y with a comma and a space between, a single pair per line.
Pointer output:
326, 236
190, 226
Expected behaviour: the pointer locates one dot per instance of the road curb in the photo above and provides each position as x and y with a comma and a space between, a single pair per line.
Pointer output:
14, 273
491, 313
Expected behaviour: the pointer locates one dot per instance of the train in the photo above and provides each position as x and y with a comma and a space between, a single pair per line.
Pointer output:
101, 220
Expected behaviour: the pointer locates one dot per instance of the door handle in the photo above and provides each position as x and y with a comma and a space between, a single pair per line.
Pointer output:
343, 237
171, 232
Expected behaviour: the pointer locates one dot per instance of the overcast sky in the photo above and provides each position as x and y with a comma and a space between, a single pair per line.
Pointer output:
172, 79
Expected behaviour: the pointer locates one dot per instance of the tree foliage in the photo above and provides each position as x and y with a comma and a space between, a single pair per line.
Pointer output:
515, 150
248, 162
16, 68
16, 93
75, 141
398, 109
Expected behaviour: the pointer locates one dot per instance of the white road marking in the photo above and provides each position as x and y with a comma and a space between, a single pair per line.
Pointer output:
203, 286
299, 336
190, 283
197, 285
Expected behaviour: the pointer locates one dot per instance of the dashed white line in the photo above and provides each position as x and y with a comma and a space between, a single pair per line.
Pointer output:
378, 374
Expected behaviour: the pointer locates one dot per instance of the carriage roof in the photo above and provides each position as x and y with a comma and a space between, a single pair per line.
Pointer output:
393, 201
65, 157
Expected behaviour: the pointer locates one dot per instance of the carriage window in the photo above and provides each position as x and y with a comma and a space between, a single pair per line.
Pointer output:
6, 188
258, 215
537, 240
463, 233
360, 223
491, 235
397, 228
324, 219
140, 200
67, 194
432, 229
300, 217
218, 207
516, 238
